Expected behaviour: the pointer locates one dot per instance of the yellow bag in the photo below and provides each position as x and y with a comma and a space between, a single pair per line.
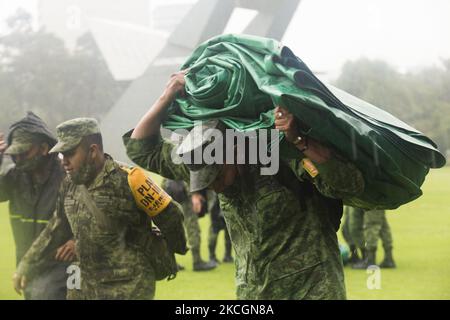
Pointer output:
152, 200
148, 195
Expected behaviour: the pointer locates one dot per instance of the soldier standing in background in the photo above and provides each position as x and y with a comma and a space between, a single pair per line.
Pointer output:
376, 227
179, 192
217, 224
31, 187
352, 230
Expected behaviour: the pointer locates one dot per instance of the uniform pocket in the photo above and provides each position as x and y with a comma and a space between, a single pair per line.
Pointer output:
116, 275
291, 264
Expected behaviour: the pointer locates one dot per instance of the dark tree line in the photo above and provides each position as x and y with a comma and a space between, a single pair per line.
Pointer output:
421, 99
38, 73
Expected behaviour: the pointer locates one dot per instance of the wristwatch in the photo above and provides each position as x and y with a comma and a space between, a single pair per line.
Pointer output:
299, 140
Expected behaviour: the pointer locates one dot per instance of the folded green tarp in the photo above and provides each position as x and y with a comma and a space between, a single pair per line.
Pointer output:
238, 79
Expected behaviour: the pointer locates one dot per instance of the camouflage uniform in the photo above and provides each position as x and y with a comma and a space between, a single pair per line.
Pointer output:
179, 191
217, 224
283, 227
31, 205
376, 227
356, 221
352, 230
110, 240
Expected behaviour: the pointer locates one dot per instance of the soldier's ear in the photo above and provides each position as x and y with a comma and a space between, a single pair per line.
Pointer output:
95, 150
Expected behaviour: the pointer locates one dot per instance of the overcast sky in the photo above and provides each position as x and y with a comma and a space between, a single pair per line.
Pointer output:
409, 34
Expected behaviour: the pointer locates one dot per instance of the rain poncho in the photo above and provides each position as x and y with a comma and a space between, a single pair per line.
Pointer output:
239, 79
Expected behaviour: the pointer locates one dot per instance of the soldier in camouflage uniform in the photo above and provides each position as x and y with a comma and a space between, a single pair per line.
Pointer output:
110, 231
283, 227
352, 230
376, 227
217, 224
179, 192
31, 186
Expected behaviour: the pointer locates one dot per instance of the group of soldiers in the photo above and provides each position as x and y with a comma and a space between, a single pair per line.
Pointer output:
79, 208
50, 202
362, 230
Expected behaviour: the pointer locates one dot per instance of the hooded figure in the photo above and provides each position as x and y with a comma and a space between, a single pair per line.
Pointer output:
31, 186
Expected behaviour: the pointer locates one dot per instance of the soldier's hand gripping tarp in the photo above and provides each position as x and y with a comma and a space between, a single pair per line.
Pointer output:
239, 79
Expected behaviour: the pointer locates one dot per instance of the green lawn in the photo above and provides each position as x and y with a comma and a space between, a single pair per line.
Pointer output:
421, 233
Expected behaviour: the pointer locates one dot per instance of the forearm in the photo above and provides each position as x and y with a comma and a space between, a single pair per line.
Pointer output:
339, 178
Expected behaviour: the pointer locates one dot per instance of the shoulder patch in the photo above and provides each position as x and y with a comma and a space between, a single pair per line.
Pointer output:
148, 195
310, 167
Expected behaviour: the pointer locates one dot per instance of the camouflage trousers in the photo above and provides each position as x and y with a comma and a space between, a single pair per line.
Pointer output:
51, 285
140, 287
376, 227
363, 229
352, 228
323, 281
192, 228
356, 227
212, 242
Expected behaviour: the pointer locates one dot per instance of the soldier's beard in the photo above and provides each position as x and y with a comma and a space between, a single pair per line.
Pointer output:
29, 165
85, 174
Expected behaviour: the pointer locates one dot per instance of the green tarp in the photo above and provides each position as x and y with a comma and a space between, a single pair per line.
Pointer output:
238, 79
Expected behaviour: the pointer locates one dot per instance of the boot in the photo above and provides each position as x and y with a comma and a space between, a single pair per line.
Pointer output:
204, 266
388, 261
199, 264
213, 258
354, 257
228, 258
371, 257
180, 267
368, 259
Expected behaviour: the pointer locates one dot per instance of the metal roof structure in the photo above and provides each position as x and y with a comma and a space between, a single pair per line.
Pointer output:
205, 19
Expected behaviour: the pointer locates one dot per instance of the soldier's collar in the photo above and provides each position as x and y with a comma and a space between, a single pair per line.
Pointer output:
108, 167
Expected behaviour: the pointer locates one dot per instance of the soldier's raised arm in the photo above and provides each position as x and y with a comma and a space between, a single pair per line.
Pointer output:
145, 145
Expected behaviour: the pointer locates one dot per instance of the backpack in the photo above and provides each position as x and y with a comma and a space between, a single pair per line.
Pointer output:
151, 199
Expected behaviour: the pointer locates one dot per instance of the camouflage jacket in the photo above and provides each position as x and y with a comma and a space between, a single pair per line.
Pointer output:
31, 205
111, 256
279, 225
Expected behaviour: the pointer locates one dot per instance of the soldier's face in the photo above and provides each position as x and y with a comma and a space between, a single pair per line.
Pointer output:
31, 159
30, 154
79, 166
74, 159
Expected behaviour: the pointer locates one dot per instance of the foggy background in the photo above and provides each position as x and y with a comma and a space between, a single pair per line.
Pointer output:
70, 58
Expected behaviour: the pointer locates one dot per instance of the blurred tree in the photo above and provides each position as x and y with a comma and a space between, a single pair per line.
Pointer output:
421, 99
38, 73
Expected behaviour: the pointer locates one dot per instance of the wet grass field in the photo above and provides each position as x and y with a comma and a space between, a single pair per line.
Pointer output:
421, 232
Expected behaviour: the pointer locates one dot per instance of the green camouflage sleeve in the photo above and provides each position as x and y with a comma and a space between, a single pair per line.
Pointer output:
339, 178
155, 154
56, 233
170, 222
